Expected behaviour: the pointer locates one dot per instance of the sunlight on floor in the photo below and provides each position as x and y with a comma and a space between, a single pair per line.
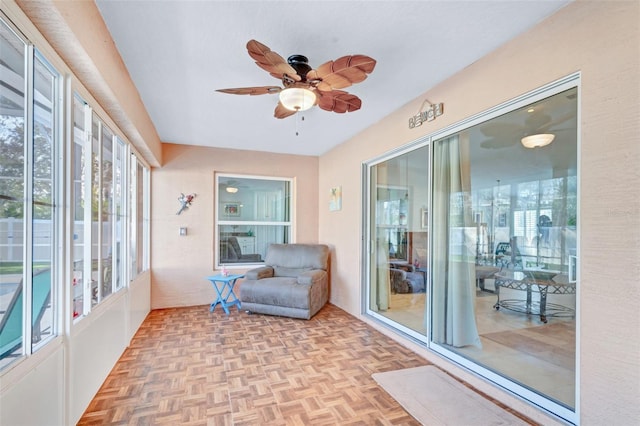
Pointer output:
537, 355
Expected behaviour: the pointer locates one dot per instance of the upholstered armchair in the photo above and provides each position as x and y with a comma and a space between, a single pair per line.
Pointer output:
294, 281
230, 252
403, 281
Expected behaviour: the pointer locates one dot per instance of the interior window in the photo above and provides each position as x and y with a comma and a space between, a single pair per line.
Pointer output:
252, 212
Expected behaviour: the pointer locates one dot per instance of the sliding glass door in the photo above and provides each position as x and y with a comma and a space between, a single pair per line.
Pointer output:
505, 248
472, 242
398, 228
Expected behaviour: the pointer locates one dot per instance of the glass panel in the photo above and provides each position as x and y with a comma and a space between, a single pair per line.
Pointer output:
119, 213
96, 198
133, 208
12, 196
78, 173
252, 213
146, 221
43, 201
106, 213
398, 272
139, 219
504, 238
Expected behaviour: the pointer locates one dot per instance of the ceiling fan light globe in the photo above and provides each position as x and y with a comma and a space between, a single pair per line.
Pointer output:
537, 141
297, 99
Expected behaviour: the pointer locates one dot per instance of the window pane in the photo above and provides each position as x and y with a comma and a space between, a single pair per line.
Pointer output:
106, 213
133, 208
96, 277
119, 213
139, 217
43, 201
504, 243
12, 179
252, 214
139, 220
79, 153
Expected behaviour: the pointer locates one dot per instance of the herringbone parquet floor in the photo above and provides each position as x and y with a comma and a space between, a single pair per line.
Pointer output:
186, 366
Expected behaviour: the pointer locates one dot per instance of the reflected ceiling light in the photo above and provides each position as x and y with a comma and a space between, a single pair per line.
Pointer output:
297, 98
536, 141
232, 189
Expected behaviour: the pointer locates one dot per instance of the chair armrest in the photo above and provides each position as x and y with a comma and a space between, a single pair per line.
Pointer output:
397, 274
310, 277
407, 267
259, 273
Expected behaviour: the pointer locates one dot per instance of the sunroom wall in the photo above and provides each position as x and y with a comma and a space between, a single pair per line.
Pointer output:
602, 41
180, 264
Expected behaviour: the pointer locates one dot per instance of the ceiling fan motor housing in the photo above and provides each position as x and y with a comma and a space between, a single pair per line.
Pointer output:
300, 63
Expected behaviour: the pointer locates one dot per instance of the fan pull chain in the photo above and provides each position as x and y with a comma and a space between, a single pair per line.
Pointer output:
301, 119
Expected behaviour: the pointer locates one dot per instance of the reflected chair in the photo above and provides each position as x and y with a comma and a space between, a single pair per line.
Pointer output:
230, 252
405, 280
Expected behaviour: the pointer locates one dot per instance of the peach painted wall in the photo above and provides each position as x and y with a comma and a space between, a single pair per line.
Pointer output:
602, 41
179, 264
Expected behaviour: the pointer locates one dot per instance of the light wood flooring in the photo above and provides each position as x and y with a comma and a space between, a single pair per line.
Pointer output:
519, 346
186, 366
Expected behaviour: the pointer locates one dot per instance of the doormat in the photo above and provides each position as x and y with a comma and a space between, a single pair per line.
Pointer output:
434, 398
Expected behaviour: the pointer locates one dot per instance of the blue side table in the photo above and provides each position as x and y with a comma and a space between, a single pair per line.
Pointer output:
220, 284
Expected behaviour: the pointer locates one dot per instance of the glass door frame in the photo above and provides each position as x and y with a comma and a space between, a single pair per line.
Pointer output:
556, 409
369, 244
369, 248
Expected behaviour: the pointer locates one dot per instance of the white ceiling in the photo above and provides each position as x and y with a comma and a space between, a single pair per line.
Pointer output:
179, 52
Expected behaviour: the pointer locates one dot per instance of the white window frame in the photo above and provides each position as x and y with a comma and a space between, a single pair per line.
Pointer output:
219, 222
126, 271
31, 54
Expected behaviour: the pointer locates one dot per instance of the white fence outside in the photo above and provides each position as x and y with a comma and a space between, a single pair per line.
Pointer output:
12, 239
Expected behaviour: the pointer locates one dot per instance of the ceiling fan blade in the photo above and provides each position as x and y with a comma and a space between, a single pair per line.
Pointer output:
550, 126
258, 90
537, 120
496, 143
497, 129
338, 101
270, 61
282, 112
343, 72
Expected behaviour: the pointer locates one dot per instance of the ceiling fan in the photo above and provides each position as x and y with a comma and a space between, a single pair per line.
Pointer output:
305, 87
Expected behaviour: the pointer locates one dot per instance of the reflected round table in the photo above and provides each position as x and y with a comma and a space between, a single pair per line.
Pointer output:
533, 281
223, 284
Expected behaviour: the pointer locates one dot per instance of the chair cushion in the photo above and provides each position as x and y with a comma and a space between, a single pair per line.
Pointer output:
277, 291
292, 258
281, 271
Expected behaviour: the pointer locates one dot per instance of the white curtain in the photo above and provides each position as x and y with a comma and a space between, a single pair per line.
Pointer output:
380, 280
453, 306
